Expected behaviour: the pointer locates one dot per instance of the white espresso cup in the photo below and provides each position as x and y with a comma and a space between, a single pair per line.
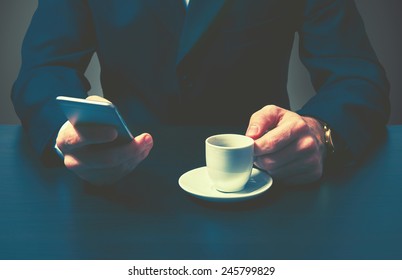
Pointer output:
229, 159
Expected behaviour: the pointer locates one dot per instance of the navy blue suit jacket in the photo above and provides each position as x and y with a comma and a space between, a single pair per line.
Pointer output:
218, 62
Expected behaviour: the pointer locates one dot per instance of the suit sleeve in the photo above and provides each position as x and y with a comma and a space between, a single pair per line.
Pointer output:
352, 88
56, 50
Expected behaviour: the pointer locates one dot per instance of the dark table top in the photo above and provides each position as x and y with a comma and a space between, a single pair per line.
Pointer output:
48, 213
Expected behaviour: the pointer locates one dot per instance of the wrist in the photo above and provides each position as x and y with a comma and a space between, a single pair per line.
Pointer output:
321, 132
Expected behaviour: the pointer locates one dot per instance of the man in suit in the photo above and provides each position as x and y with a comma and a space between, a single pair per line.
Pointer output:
213, 62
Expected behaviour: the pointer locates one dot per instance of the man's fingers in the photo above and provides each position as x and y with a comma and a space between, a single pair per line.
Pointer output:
299, 158
96, 133
144, 139
128, 155
100, 164
289, 130
97, 98
286, 144
143, 143
280, 158
273, 141
72, 137
299, 171
263, 120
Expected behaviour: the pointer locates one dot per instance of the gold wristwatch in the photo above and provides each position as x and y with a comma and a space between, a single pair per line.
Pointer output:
329, 144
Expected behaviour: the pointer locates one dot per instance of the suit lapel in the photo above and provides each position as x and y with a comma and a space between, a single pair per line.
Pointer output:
200, 15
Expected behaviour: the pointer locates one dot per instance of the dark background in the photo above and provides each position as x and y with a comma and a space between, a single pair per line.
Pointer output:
382, 19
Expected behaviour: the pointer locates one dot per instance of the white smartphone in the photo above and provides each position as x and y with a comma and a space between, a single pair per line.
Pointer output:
83, 111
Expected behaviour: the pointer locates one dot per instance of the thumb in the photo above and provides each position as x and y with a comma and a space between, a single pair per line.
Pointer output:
264, 120
142, 145
97, 98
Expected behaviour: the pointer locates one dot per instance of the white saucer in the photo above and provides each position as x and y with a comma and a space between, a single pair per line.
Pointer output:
197, 183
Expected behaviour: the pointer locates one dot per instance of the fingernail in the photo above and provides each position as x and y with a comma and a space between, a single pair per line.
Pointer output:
252, 130
148, 140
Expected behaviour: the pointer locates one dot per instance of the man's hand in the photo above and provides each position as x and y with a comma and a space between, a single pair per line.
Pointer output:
288, 146
94, 163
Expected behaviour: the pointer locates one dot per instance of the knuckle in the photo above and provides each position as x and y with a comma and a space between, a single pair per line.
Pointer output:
271, 144
301, 126
308, 144
68, 142
267, 144
261, 147
253, 115
256, 115
67, 136
272, 109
